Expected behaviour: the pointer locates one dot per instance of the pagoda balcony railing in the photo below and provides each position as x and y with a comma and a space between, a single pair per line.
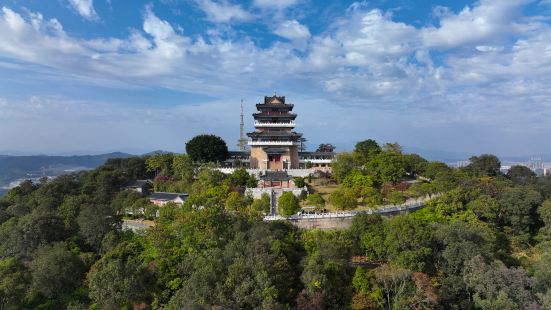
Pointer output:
272, 142
272, 124
275, 112
315, 161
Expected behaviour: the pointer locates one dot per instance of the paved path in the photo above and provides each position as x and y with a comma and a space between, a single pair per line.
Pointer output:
135, 225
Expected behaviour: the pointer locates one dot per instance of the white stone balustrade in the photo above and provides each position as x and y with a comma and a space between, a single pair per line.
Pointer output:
411, 204
316, 161
275, 143
270, 124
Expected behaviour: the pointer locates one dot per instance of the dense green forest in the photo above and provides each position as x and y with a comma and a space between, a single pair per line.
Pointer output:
483, 244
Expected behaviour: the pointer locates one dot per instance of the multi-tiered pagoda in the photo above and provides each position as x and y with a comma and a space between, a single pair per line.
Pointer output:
274, 144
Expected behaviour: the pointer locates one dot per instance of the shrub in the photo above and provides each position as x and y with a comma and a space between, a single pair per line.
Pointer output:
344, 199
288, 204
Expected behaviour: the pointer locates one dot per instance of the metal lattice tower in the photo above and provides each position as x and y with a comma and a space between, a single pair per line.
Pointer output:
242, 140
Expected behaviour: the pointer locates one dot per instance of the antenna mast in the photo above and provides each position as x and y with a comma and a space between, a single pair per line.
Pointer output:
242, 139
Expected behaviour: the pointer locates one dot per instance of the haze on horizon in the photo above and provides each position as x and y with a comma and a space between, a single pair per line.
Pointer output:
101, 75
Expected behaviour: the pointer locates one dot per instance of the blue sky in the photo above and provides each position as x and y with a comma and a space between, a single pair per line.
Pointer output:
105, 75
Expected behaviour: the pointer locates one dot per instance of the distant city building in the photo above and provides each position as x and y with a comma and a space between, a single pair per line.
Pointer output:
504, 168
460, 164
535, 163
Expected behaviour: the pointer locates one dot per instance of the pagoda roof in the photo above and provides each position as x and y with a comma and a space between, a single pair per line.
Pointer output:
274, 134
274, 99
275, 106
238, 153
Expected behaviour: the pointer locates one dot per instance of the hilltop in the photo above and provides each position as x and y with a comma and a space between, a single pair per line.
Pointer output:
482, 241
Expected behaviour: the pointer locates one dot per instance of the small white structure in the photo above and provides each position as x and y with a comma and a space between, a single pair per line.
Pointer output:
162, 198
303, 173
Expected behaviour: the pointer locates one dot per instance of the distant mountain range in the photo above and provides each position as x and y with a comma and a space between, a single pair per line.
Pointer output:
16, 168
444, 156
450, 157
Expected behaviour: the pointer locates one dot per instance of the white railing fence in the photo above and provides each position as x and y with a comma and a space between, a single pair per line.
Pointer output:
292, 172
269, 124
272, 142
411, 204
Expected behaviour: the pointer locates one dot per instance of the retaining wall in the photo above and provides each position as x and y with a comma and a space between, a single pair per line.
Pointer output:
292, 172
334, 222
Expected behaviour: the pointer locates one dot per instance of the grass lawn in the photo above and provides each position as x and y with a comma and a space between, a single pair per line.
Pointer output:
324, 190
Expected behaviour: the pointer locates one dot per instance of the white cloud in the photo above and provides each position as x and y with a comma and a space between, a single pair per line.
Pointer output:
487, 21
292, 30
277, 4
157, 56
364, 59
223, 12
366, 56
487, 48
374, 35
369, 40
523, 69
85, 8
35, 40
159, 29
363, 56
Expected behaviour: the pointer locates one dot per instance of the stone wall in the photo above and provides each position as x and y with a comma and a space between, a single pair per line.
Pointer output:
344, 219
323, 223
293, 157
292, 172
257, 158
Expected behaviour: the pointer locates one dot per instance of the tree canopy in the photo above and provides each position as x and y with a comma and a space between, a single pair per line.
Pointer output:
288, 204
207, 148
367, 149
483, 243
484, 165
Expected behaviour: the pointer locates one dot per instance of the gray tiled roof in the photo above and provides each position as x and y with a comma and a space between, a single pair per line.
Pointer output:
274, 134
316, 153
269, 99
138, 183
167, 196
275, 176
266, 115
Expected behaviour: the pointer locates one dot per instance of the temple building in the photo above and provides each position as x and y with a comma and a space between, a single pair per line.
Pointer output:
276, 179
274, 144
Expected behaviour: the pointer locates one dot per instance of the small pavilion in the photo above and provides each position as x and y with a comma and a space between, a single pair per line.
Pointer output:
279, 179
